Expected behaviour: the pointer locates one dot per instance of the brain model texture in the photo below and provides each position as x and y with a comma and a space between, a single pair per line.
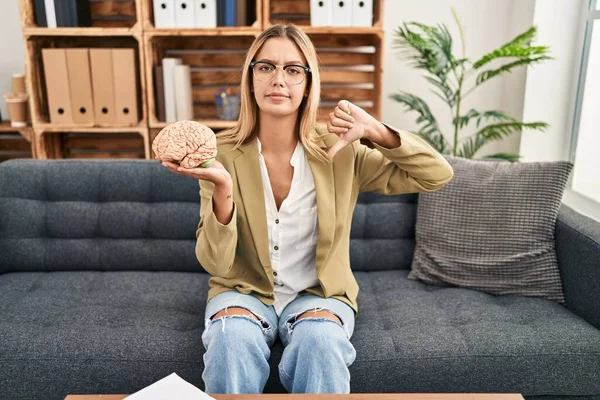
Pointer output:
188, 143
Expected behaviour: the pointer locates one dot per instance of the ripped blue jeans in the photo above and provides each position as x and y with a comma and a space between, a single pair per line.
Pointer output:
317, 351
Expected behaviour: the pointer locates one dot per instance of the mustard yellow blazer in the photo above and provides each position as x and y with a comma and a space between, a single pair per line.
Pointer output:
237, 254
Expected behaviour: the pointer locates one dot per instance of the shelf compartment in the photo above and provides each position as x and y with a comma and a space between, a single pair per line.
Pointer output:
13, 144
350, 68
215, 62
95, 143
106, 14
36, 82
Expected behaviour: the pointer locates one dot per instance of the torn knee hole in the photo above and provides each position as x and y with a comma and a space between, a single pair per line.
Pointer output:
229, 312
319, 313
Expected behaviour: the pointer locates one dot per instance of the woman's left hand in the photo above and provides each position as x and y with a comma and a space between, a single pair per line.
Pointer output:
350, 123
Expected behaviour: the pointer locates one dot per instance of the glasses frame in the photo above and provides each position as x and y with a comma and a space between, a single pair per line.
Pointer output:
307, 70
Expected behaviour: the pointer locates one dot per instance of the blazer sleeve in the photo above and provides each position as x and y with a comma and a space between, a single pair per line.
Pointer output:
414, 166
215, 243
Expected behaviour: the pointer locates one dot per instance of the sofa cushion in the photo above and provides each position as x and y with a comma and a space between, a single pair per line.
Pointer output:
111, 215
492, 228
415, 337
117, 332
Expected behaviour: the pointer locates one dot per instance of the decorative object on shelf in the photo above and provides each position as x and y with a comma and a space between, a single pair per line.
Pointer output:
190, 144
429, 48
18, 83
228, 104
17, 108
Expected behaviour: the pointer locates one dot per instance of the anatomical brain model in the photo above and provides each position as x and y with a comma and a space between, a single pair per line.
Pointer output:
188, 143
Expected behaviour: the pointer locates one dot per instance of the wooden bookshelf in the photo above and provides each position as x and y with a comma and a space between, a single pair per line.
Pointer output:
16, 142
351, 61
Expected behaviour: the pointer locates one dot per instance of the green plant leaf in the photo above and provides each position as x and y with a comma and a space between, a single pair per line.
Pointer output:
516, 51
521, 41
504, 129
430, 49
495, 132
494, 115
512, 157
471, 145
430, 130
489, 74
447, 93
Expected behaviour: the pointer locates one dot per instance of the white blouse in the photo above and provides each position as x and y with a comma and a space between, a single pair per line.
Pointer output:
292, 231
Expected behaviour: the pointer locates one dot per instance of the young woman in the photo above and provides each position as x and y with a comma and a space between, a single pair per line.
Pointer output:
276, 210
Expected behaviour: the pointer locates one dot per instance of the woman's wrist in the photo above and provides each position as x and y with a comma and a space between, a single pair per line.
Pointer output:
223, 202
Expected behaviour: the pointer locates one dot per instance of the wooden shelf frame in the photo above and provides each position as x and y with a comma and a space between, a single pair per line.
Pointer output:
152, 44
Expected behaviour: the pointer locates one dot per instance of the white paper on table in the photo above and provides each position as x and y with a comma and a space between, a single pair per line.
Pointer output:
168, 388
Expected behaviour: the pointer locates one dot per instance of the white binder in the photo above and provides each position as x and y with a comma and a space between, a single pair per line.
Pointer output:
50, 13
321, 12
342, 13
205, 13
182, 78
184, 13
164, 13
362, 12
169, 87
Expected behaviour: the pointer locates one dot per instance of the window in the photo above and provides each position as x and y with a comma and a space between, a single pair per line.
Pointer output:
585, 142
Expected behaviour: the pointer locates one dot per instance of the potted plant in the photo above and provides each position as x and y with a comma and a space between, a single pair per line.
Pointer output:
429, 48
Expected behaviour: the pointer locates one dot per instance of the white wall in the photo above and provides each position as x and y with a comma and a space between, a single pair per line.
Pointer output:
487, 24
12, 50
550, 88
551, 93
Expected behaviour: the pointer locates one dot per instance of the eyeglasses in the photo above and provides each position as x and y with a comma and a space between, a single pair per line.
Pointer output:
265, 71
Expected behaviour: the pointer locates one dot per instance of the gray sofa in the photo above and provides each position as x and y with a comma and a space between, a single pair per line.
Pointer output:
100, 292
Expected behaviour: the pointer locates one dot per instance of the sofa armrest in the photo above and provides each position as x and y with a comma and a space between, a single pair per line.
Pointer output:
578, 251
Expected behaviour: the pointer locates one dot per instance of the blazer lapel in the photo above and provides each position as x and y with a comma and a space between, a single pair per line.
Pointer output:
249, 177
324, 188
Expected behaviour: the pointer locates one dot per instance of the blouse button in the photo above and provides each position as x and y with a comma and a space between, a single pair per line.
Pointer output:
276, 247
276, 221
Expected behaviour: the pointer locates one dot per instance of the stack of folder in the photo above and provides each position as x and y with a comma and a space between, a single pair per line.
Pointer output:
62, 13
341, 12
201, 13
91, 86
173, 91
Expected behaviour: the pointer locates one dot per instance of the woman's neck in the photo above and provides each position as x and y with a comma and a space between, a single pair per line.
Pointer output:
278, 135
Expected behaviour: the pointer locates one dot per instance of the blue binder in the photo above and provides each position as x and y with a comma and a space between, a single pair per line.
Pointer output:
230, 11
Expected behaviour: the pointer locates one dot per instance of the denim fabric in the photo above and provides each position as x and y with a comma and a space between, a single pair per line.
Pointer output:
317, 351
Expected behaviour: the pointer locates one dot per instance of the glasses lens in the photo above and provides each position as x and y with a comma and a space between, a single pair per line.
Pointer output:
264, 72
294, 75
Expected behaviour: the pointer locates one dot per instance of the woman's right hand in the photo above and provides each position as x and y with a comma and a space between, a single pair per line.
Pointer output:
216, 173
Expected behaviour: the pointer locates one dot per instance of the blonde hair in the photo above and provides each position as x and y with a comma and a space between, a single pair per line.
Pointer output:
247, 123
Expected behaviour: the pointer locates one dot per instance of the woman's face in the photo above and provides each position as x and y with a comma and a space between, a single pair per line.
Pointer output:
277, 92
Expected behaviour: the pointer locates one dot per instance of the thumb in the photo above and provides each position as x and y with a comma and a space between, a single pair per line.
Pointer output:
340, 144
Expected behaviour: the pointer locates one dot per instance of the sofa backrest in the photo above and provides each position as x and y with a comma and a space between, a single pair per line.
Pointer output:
112, 215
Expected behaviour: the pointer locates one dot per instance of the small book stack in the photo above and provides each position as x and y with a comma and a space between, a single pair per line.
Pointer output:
62, 13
